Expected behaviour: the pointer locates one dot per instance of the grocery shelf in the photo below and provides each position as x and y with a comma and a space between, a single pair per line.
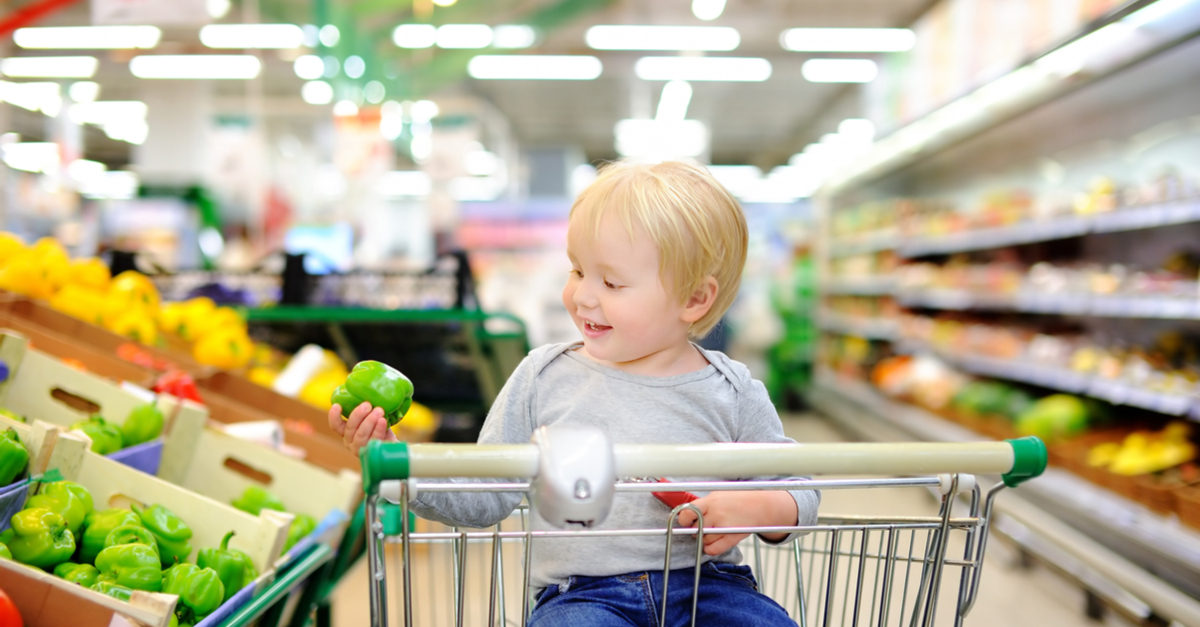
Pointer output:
859, 327
871, 243
870, 286
1150, 555
1056, 378
1126, 219
1109, 306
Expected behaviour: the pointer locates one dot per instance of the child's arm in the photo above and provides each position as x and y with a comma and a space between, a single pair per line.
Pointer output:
770, 508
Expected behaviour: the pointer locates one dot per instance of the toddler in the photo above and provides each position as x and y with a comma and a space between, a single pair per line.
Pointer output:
656, 255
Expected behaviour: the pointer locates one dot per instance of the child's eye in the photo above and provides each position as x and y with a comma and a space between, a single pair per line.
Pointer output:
609, 284
577, 273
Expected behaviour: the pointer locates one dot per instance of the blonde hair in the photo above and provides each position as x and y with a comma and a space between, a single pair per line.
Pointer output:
696, 224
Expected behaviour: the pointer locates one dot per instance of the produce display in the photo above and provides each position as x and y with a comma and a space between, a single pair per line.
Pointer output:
255, 499
14, 457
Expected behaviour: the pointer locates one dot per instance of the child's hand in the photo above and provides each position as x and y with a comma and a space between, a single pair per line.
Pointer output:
364, 424
737, 508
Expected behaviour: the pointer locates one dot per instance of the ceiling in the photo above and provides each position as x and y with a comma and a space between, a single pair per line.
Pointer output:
759, 123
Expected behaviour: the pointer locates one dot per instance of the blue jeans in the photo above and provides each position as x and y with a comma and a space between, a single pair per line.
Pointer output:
728, 596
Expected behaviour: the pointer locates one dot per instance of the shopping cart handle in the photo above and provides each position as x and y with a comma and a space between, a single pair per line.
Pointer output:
1029, 460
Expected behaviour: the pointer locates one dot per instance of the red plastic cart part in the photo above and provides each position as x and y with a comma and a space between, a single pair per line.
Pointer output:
673, 499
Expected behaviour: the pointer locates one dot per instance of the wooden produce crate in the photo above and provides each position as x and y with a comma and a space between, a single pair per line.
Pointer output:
94, 359
223, 466
264, 399
47, 601
45, 388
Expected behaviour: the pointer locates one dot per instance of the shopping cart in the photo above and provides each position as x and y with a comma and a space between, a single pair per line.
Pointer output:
845, 570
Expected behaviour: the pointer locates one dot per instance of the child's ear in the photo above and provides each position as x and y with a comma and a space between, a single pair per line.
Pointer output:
701, 300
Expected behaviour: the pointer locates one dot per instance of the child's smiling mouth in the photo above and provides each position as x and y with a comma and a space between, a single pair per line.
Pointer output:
591, 329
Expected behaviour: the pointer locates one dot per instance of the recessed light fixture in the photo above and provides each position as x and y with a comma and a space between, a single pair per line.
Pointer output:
534, 67
49, 67
617, 37
848, 39
87, 37
839, 70
750, 69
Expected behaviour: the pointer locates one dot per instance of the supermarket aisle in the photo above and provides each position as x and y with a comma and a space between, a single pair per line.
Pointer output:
1010, 595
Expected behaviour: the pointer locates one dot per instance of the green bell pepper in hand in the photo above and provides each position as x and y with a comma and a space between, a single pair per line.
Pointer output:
13, 456
82, 574
106, 436
378, 384
199, 589
170, 532
134, 566
142, 424
255, 499
302, 525
234, 567
96, 527
113, 590
40, 538
66, 498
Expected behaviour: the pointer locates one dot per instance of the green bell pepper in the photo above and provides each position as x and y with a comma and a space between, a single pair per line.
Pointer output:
131, 534
255, 499
113, 590
13, 456
68, 499
40, 538
378, 384
82, 574
302, 525
106, 436
96, 527
11, 415
199, 589
142, 424
134, 566
234, 567
170, 532
4, 552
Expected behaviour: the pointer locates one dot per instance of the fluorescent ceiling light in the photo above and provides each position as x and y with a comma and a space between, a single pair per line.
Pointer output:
317, 92
39, 96
464, 36
423, 111
848, 39
84, 91
535, 67
32, 156
415, 35
473, 188
673, 103
736, 178
116, 184
252, 36
107, 111
329, 35
708, 9
513, 36
400, 183
713, 38
88, 37
50, 67
354, 67
196, 66
656, 140
345, 108
839, 70
481, 163
751, 69
309, 67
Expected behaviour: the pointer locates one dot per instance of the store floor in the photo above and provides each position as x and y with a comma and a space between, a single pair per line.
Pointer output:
1010, 595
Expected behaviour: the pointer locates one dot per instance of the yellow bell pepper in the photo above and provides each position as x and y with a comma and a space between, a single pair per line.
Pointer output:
263, 376
10, 245
219, 318
21, 274
90, 272
226, 348
134, 288
319, 388
136, 324
54, 262
80, 301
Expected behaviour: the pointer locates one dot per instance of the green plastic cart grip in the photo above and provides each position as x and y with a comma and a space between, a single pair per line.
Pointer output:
383, 461
1029, 460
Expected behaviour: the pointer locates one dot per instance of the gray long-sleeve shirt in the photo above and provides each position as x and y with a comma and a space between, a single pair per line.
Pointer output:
555, 384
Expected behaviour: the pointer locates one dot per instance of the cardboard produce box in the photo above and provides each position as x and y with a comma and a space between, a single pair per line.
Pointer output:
47, 601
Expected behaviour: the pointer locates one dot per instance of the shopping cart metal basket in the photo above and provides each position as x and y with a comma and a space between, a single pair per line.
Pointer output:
845, 570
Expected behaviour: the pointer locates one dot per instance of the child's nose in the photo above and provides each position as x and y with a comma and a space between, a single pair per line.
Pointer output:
584, 296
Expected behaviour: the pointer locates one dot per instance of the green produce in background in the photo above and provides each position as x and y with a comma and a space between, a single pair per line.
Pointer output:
143, 424
134, 566
66, 498
131, 534
12, 415
96, 527
302, 525
1053, 417
106, 436
234, 567
170, 532
82, 574
378, 384
4, 552
255, 499
199, 589
13, 456
40, 538
113, 590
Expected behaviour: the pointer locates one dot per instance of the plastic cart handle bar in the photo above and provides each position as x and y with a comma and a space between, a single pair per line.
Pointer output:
1015, 460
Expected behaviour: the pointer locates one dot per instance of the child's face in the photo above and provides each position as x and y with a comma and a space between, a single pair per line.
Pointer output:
617, 300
